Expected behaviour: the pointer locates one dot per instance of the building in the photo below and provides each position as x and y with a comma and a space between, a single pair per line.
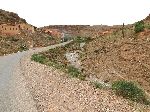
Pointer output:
15, 29
26, 27
9, 29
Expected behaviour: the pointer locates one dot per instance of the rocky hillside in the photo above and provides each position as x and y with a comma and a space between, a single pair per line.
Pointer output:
112, 57
85, 30
10, 17
147, 18
107, 59
10, 44
24, 40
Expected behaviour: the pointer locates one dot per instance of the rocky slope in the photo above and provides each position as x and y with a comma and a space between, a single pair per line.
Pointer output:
114, 57
23, 41
55, 91
10, 17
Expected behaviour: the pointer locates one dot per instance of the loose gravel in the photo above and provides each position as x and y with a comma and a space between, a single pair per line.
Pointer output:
54, 91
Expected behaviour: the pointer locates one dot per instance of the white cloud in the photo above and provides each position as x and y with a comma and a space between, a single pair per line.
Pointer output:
46, 12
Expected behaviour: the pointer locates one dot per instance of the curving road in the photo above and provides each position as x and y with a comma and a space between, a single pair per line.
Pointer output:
14, 96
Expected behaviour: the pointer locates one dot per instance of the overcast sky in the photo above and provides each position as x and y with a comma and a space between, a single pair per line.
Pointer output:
91, 12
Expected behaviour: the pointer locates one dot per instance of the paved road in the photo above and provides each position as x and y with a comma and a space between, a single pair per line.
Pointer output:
14, 96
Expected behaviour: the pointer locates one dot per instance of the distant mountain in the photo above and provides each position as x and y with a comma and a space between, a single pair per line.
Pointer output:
10, 17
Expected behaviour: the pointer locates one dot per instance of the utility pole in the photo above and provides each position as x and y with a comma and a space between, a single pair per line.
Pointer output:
123, 30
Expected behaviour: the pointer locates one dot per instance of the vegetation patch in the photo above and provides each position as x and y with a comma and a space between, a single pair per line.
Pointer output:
39, 58
74, 72
139, 26
98, 85
56, 65
66, 38
130, 91
79, 39
56, 58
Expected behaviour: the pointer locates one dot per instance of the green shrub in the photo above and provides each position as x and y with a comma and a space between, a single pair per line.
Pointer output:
130, 91
74, 72
139, 26
79, 39
39, 58
56, 65
66, 39
81, 77
97, 84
